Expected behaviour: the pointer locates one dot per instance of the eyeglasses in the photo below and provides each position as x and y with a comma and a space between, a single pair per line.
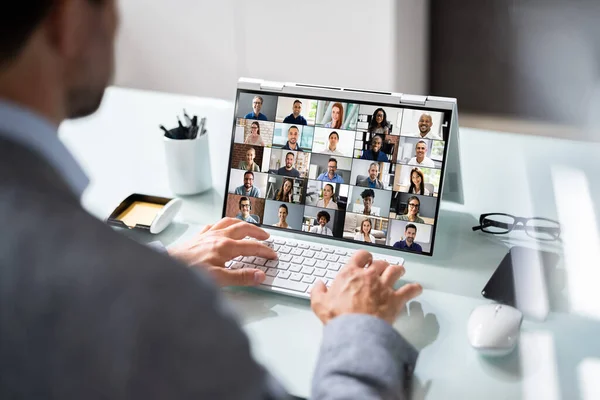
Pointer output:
414, 205
537, 228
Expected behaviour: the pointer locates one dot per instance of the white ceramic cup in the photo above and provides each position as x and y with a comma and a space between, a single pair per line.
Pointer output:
188, 165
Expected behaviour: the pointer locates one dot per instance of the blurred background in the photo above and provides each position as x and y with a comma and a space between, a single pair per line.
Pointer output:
524, 66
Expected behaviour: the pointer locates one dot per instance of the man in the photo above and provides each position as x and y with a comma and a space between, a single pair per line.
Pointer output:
245, 208
86, 313
368, 196
257, 103
330, 175
323, 219
248, 188
289, 169
371, 181
420, 159
295, 117
410, 232
425, 123
374, 152
334, 138
292, 143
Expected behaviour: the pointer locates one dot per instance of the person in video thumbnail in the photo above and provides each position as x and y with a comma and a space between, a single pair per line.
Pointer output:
254, 137
365, 232
425, 123
420, 159
330, 175
245, 208
417, 183
323, 218
379, 124
368, 196
328, 200
410, 232
334, 138
374, 152
285, 192
248, 188
412, 211
337, 116
289, 169
295, 117
249, 163
283, 213
257, 103
292, 143
371, 181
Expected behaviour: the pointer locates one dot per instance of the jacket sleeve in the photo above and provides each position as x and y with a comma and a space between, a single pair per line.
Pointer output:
363, 357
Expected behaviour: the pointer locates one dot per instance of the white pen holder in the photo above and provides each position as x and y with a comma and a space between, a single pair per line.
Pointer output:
188, 165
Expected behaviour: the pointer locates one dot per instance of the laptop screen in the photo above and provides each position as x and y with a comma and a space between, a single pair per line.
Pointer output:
351, 171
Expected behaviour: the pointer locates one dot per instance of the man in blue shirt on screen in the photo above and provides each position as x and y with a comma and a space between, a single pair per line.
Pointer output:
257, 103
410, 232
248, 188
295, 117
330, 175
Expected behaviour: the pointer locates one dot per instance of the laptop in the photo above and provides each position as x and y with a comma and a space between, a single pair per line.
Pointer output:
329, 170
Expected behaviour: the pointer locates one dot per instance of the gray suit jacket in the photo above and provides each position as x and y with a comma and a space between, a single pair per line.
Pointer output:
365, 183
86, 313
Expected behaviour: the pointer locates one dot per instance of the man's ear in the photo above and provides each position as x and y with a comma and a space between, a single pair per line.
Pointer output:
65, 27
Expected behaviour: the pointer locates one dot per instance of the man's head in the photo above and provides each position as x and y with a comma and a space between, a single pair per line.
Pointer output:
425, 124
248, 180
289, 160
323, 218
257, 103
334, 138
293, 135
376, 143
331, 167
297, 108
421, 150
245, 206
373, 171
368, 195
57, 57
410, 232
250, 155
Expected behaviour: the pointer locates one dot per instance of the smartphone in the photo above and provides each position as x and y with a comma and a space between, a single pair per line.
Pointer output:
521, 281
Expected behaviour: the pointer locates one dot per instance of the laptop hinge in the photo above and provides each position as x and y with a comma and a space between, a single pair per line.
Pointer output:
272, 85
413, 99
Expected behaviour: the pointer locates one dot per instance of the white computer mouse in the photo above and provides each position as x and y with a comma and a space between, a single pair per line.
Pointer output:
493, 329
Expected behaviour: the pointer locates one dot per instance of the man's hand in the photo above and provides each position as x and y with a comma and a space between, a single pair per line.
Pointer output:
360, 290
216, 244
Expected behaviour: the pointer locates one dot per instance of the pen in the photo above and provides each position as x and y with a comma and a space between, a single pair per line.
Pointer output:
188, 121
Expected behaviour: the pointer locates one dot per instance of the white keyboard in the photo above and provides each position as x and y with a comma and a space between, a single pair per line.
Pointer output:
300, 264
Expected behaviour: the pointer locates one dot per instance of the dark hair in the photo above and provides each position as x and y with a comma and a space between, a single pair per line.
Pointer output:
408, 202
332, 159
283, 206
338, 125
288, 153
280, 196
384, 123
295, 127
20, 22
412, 185
257, 126
324, 214
367, 193
422, 141
249, 172
332, 192
334, 133
243, 198
260, 98
297, 101
408, 226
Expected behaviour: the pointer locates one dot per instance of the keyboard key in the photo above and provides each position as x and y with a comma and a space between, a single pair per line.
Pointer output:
285, 284
296, 277
340, 252
284, 274
271, 272
237, 265
276, 247
327, 250
291, 243
303, 245
343, 260
334, 266
238, 258
308, 270
310, 262
272, 263
284, 250
308, 279
283, 266
298, 260
296, 268
248, 260
315, 247
279, 241
296, 252
320, 256
332, 257
229, 263
285, 257
321, 264
269, 240
260, 261
319, 272
331, 274
308, 253
246, 265
263, 269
